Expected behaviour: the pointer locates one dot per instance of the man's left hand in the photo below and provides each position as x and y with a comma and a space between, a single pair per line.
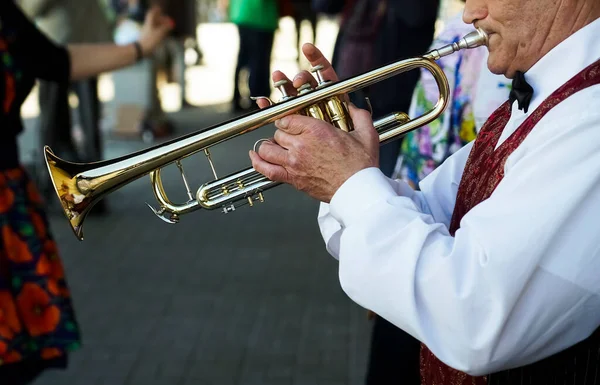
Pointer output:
314, 156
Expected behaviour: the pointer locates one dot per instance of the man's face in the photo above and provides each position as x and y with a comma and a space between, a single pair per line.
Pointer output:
517, 29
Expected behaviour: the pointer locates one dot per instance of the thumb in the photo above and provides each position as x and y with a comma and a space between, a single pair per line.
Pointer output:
364, 130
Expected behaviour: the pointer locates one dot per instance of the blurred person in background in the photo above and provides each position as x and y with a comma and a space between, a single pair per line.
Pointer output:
256, 21
134, 10
38, 327
303, 10
185, 15
130, 16
474, 94
66, 22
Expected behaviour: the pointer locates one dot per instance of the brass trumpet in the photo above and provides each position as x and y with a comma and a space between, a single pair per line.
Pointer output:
80, 186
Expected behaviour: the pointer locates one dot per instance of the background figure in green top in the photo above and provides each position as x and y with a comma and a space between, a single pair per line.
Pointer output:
256, 21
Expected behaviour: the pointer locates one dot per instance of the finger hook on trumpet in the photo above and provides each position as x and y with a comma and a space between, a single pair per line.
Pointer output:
369, 106
258, 143
255, 98
160, 213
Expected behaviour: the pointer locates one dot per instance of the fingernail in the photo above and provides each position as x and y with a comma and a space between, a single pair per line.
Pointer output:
282, 123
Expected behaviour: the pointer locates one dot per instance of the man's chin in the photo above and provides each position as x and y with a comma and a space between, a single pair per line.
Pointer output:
495, 66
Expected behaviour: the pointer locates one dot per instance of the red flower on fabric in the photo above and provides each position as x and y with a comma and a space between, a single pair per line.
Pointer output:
50, 248
39, 315
49, 264
38, 224
53, 287
15, 248
33, 194
8, 356
48, 353
6, 333
9, 320
14, 173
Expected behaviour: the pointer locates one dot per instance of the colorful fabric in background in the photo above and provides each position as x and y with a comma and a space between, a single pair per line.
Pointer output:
36, 314
474, 94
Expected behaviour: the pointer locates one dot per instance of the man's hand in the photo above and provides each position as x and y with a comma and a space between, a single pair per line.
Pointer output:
312, 155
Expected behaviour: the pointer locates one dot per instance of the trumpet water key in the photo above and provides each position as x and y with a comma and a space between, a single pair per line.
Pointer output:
81, 185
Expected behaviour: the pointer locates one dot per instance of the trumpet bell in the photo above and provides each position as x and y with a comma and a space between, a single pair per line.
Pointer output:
75, 204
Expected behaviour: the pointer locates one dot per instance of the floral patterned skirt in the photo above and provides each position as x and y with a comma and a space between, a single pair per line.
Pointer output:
36, 314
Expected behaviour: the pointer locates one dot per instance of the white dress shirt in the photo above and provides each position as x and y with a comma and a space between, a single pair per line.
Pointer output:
520, 280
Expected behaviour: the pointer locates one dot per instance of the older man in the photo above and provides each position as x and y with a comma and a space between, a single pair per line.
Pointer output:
494, 264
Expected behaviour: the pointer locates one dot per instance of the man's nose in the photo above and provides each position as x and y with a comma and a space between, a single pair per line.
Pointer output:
475, 10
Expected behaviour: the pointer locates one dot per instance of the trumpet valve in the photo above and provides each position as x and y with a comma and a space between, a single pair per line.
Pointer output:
280, 85
338, 114
255, 98
255, 198
316, 70
304, 89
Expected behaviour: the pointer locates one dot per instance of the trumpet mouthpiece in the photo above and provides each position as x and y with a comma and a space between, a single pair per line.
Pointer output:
474, 39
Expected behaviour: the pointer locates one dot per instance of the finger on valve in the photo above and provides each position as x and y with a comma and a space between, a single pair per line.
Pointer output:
303, 78
281, 82
315, 57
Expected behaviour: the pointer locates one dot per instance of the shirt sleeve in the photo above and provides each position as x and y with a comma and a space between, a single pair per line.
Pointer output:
41, 58
519, 280
436, 198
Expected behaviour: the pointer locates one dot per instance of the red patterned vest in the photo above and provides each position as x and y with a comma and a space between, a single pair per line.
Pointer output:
483, 171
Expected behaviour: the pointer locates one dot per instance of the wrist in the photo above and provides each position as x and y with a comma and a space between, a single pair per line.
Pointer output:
139, 51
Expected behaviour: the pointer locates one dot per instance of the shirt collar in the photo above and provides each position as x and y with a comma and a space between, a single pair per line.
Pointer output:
563, 62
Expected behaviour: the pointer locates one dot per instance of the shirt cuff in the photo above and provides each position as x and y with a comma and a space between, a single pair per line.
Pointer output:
358, 193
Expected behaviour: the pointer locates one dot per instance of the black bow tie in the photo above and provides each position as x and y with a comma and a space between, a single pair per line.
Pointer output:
521, 91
